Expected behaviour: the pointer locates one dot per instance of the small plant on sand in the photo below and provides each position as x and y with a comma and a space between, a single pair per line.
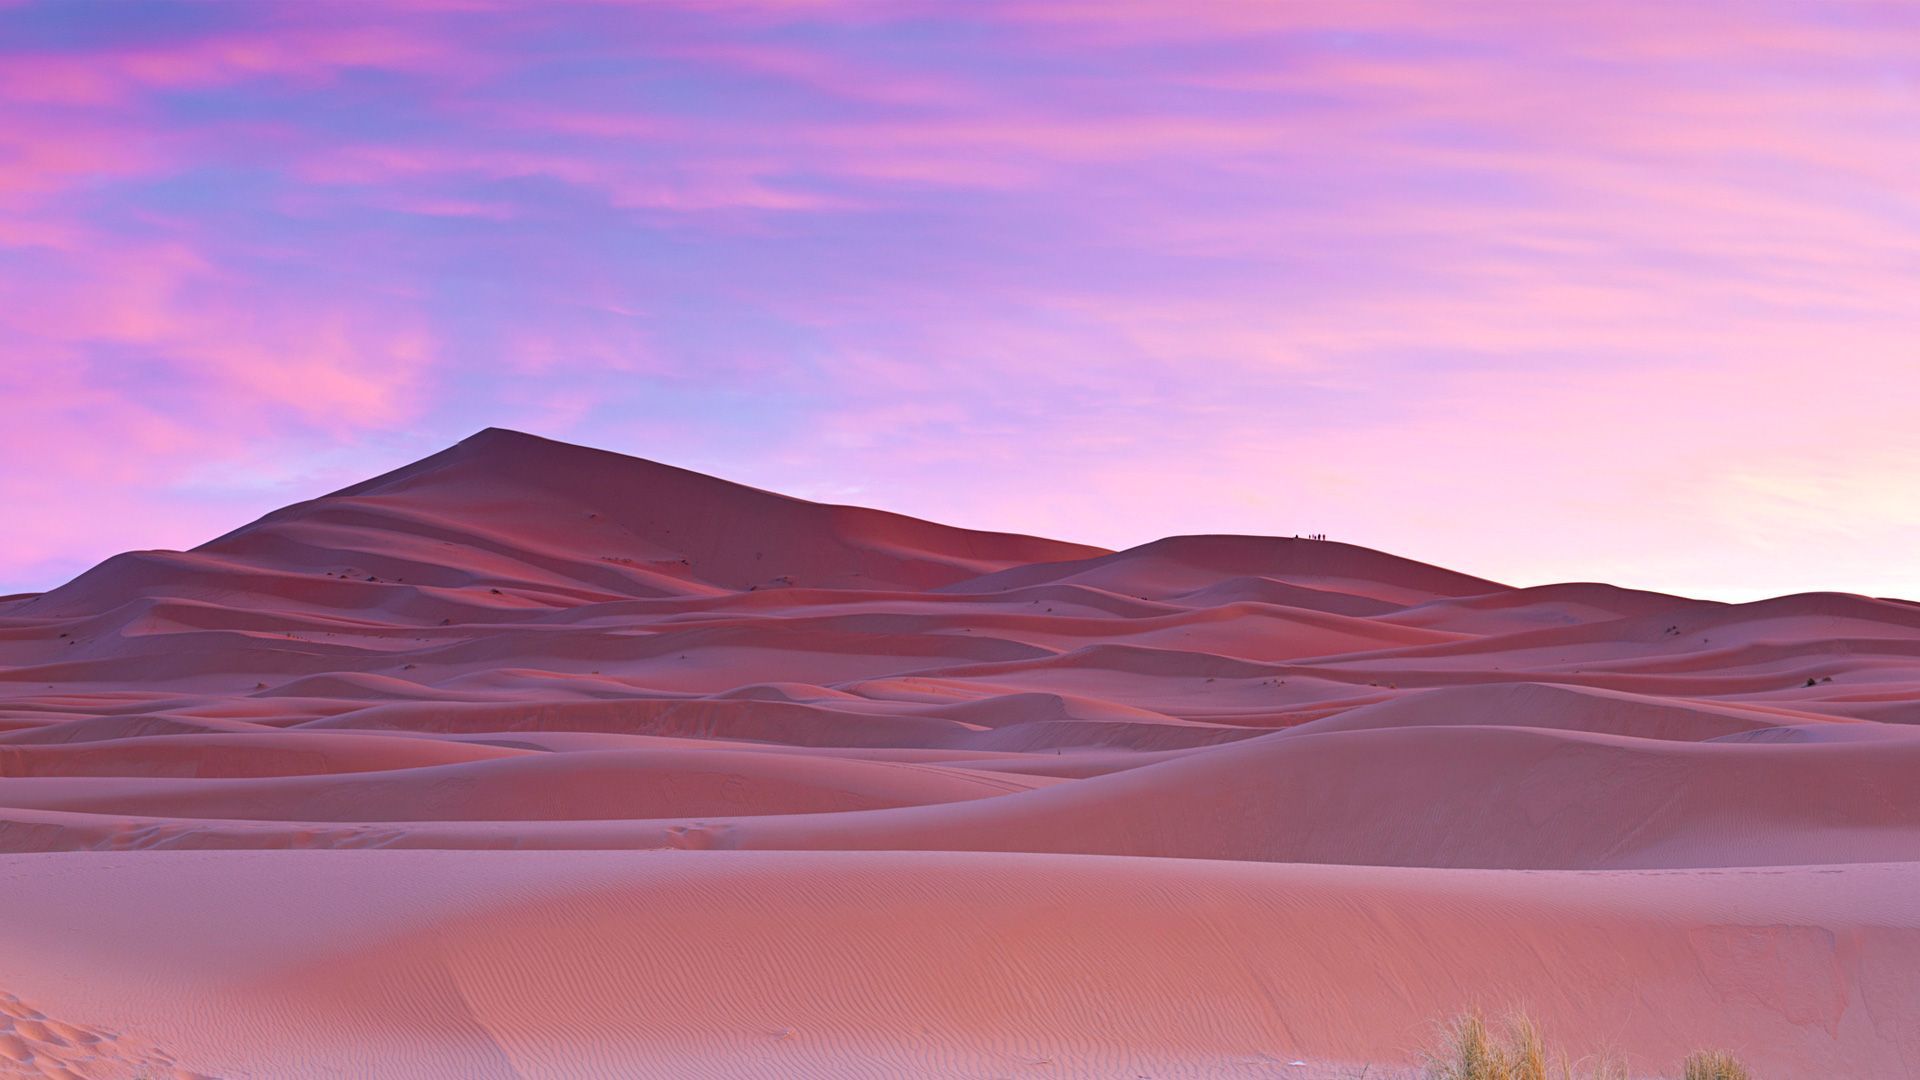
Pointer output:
1715, 1065
1472, 1049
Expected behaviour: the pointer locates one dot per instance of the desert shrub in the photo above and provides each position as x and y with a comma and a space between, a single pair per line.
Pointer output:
1714, 1065
1473, 1049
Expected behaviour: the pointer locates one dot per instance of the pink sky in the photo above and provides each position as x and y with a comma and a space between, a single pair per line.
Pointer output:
1541, 292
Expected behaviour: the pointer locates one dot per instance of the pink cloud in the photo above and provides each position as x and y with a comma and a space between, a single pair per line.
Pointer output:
713, 183
300, 356
828, 73
299, 52
1103, 269
39, 156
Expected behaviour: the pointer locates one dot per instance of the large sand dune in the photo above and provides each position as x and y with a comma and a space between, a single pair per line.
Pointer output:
673, 777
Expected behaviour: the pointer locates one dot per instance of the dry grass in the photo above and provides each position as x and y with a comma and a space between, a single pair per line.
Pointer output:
1472, 1049
1715, 1065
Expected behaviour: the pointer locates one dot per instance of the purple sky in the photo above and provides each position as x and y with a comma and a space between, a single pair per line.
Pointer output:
1624, 291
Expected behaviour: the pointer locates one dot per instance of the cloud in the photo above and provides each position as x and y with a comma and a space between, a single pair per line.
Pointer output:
1535, 289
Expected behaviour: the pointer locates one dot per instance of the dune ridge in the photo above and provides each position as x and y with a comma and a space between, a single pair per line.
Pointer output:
529, 759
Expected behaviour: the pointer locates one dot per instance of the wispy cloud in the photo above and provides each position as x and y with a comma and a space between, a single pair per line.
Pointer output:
1541, 290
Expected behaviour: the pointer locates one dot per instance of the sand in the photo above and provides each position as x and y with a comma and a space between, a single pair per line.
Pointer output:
534, 760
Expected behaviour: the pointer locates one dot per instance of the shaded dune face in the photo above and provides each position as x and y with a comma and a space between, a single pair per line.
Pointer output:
644, 751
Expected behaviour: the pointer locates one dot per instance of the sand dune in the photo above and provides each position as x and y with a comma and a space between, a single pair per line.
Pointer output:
933, 963
674, 777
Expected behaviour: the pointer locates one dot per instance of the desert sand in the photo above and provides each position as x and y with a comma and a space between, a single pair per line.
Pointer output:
534, 760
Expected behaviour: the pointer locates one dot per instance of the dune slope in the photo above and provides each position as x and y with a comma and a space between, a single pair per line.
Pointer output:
529, 759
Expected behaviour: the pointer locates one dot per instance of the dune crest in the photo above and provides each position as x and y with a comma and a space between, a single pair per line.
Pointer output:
528, 759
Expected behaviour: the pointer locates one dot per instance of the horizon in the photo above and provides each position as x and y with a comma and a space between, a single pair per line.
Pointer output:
1317, 538
1535, 293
